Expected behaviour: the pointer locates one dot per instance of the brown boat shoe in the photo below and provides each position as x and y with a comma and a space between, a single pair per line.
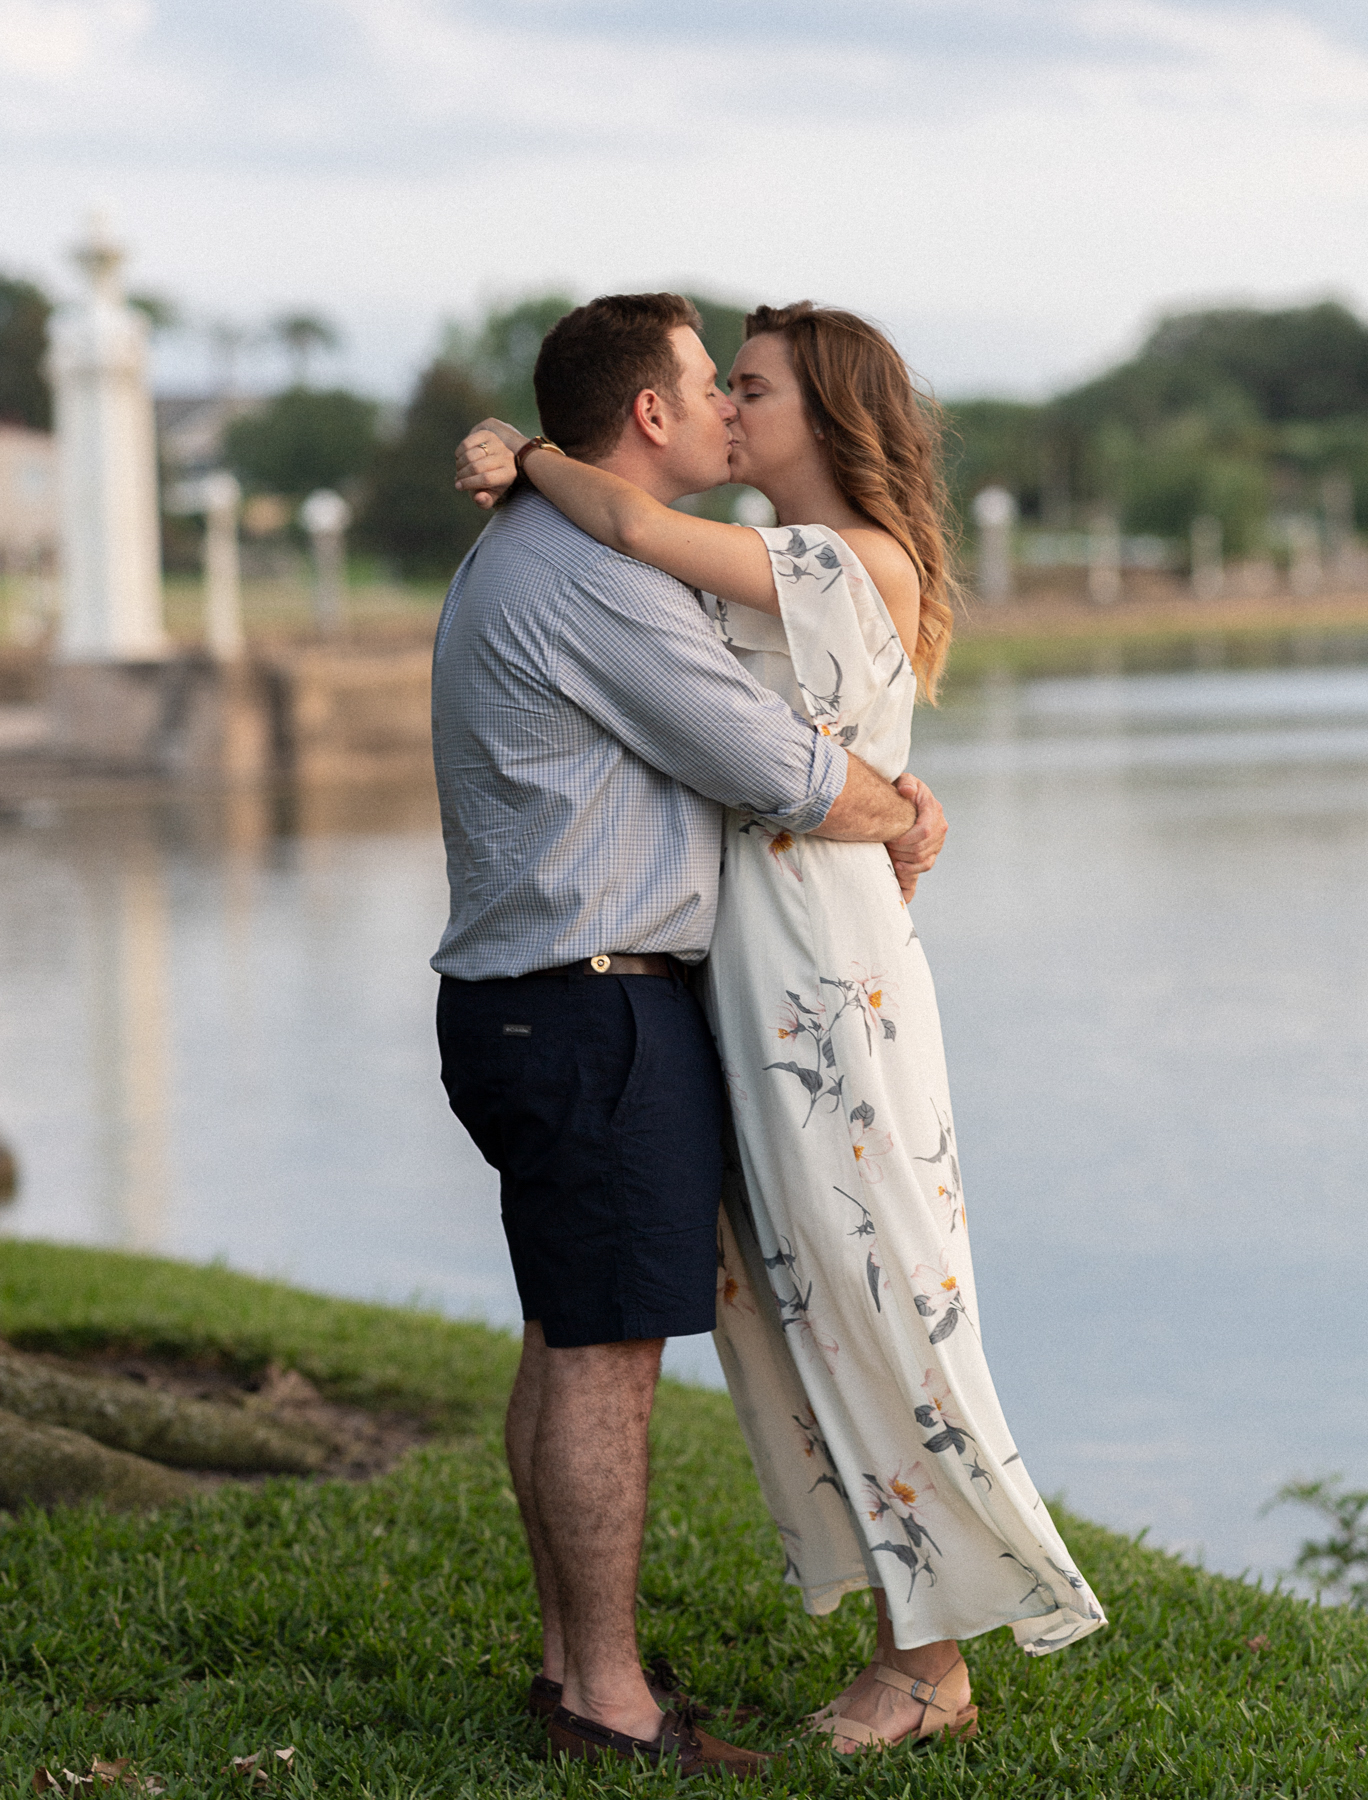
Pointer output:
680, 1742
543, 1696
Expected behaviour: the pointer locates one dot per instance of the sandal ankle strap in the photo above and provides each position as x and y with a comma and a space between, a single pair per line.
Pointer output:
906, 1684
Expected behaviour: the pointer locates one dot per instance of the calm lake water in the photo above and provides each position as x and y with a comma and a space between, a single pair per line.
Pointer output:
1150, 936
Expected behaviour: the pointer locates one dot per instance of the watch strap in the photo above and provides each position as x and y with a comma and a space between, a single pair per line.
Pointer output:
533, 443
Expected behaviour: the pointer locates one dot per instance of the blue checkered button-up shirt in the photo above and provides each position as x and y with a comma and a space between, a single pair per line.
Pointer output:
588, 728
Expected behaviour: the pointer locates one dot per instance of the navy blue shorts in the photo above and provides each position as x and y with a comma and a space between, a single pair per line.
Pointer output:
599, 1100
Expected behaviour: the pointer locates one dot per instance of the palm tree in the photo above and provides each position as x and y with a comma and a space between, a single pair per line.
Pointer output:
161, 314
227, 340
301, 334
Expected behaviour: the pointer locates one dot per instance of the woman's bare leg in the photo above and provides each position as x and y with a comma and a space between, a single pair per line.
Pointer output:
886, 1709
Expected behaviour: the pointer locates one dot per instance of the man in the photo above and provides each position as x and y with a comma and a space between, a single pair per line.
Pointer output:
588, 729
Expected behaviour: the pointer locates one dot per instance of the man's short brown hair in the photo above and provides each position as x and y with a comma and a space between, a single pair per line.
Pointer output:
596, 360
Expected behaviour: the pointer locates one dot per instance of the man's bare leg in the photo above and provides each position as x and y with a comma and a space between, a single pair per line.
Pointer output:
588, 1479
520, 1431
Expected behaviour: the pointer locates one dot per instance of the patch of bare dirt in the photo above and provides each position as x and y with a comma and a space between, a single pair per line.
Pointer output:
360, 1443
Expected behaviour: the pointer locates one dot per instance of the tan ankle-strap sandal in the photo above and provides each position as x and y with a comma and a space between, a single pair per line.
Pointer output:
946, 1707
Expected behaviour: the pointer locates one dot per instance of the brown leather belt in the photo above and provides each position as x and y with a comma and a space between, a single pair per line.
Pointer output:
624, 965
613, 964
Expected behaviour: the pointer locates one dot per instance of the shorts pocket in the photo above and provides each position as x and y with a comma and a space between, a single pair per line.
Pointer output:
667, 1125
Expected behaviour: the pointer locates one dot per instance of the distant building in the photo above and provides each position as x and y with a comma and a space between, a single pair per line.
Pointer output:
191, 428
28, 500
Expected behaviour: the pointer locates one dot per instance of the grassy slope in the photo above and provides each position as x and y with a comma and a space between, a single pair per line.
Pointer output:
387, 1631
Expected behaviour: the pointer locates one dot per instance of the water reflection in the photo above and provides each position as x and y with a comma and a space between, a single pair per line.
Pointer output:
216, 1038
1147, 932
1148, 938
128, 1048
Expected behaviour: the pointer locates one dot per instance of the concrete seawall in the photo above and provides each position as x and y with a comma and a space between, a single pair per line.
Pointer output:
309, 713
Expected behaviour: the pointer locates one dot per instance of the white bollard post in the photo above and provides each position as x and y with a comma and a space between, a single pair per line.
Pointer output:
1104, 560
222, 498
1208, 565
1337, 502
325, 516
995, 512
750, 507
1304, 547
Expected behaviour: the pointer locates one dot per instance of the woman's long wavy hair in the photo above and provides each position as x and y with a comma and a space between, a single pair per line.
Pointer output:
884, 440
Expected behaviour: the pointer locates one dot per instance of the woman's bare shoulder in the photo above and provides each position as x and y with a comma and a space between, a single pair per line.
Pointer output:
887, 564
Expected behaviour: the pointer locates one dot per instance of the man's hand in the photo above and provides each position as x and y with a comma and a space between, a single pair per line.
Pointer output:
915, 851
484, 461
868, 809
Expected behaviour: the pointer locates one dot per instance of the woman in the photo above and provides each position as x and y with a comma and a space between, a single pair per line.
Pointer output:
847, 1322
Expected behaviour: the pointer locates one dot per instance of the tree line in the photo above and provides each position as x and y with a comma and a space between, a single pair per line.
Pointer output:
407, 509
1236, 413
1232, 413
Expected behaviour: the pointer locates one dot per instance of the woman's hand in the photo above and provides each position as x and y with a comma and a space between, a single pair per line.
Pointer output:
484, 462
915, 852
727, 560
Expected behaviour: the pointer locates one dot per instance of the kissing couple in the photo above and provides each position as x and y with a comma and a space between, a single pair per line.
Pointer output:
680, 970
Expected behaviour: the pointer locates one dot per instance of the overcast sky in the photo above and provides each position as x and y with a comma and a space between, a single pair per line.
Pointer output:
1014, 186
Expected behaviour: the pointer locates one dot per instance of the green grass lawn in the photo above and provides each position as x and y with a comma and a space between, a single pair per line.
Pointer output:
388, 1632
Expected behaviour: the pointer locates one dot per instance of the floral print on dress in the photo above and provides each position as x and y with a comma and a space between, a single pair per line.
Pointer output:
869, 1145
938, 1414
874, 1275
847, 1321
950, 1190
782, 846
736, 1094
904, 1499
794, 1301
939, 1298
733, 1292
817, 1450
860, 997
825, 710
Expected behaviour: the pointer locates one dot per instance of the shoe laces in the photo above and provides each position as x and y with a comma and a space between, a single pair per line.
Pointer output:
687, 1714
663, 1675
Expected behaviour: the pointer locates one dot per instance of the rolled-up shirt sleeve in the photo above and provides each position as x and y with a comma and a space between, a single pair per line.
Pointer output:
636, 652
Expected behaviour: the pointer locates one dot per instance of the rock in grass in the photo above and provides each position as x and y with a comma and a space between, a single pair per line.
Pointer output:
52, 1466
190, 1434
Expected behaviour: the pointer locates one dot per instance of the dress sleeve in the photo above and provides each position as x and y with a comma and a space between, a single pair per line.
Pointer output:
856, 682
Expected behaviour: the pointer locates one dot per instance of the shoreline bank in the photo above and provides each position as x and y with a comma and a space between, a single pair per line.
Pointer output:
386, 1630
1157, 629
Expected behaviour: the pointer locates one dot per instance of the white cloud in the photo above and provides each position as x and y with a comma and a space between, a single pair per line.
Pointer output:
1018, 184
1267, 60
53, 40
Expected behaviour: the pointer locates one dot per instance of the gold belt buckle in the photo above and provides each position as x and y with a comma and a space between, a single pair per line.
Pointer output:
600, 964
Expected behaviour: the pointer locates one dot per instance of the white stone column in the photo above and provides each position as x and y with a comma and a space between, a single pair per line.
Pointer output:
218, 497
1343, 557
1304, 555
995, 513
111, 551
326, 516
222, 582
1208, 563
1104, 560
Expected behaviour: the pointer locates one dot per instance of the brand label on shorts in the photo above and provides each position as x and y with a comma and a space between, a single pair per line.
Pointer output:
517, 1031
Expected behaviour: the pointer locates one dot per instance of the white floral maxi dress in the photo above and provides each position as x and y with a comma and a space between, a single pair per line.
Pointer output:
847, 1322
